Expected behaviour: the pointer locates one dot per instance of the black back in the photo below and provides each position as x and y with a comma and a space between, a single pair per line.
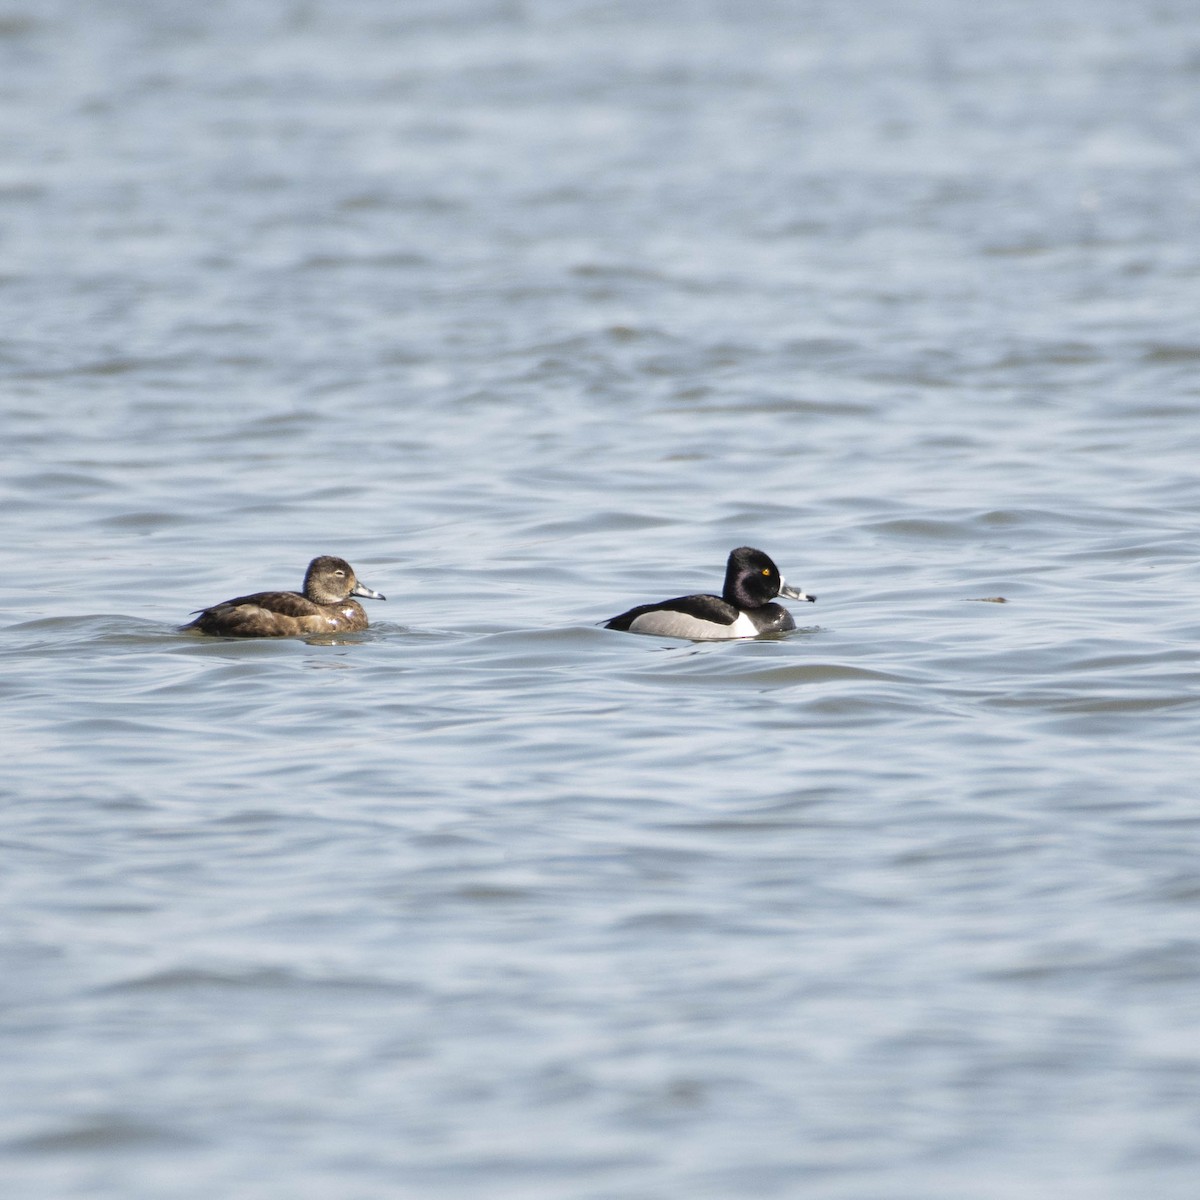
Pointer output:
703, 608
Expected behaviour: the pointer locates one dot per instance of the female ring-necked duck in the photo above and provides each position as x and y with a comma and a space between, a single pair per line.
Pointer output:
743, 610
325, 606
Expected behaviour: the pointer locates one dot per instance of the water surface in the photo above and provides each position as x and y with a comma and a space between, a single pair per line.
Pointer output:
532, 312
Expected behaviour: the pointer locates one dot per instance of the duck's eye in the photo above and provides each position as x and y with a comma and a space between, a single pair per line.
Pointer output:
766, 570
342, 574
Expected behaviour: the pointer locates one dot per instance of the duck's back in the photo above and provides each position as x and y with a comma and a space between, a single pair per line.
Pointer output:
698, 617
703, 618
279, 614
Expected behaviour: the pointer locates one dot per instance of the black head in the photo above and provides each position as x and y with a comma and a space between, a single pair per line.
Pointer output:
331, 580
752, 580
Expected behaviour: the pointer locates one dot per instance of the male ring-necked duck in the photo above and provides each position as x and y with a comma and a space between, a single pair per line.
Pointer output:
325, 606
743, 610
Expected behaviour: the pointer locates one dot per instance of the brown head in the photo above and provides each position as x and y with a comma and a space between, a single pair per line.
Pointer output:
331, 580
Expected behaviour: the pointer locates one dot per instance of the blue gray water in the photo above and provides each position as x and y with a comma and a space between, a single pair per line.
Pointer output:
532, 311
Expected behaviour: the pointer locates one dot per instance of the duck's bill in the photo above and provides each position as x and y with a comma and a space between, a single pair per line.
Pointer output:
794, 593
366, 593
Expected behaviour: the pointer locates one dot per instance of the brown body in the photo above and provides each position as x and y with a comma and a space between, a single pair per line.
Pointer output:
325, 607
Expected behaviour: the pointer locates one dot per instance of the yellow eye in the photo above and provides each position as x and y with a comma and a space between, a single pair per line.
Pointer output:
766, 570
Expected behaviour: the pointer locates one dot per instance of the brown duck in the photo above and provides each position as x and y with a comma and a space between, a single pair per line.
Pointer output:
325, 606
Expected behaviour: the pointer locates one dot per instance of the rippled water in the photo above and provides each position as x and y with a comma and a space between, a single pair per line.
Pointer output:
533, 311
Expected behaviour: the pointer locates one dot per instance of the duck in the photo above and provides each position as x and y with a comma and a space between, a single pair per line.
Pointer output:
324, 606
745, 608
